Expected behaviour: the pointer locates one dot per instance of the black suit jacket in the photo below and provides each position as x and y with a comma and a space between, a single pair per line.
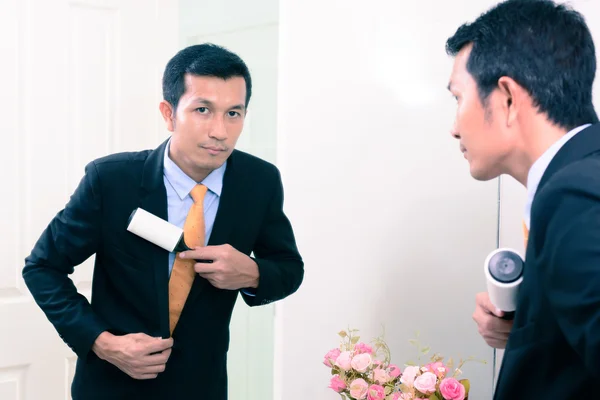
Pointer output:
553, 351
130, 280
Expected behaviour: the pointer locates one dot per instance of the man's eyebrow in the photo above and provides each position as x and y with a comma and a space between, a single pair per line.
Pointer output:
204, 101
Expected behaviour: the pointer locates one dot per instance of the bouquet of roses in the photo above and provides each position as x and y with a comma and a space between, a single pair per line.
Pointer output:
361, 371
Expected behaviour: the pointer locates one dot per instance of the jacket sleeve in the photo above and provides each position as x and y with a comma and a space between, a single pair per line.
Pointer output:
280, 265
71, 237
570, 266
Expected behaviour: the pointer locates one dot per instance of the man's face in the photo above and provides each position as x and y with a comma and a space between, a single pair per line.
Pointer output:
207, 123
483, 137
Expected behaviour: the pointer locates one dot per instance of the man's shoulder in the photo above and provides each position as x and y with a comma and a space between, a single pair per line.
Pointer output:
573, 189
248, 163
123, 157
120, 162
582, 176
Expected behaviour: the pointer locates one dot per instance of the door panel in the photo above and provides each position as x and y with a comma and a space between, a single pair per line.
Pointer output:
81, 80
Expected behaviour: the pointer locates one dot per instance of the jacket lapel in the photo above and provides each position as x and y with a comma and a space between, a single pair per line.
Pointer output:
225, 214
153, 198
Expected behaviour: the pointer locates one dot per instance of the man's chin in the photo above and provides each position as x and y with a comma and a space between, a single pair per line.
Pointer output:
482, 175
214, 163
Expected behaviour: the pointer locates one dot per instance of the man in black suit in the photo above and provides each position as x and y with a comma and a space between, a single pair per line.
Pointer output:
128, 344
523, 77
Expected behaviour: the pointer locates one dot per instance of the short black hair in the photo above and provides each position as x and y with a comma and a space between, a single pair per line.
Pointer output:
545, 47
205, 59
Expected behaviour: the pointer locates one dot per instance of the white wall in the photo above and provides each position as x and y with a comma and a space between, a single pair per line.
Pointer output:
393, 229
250, 29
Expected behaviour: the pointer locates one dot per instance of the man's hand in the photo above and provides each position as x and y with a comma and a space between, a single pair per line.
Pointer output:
229, 269
492, 328
138, 355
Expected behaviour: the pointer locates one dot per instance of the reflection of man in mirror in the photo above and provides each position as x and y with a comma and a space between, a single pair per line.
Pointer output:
158, 323
522, 78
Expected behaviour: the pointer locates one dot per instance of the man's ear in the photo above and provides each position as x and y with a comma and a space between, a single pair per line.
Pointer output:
512, 98
168, 113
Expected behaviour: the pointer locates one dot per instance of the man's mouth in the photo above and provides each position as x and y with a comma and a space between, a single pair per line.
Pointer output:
213, 150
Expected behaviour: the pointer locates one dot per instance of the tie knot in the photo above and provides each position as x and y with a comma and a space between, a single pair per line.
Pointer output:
198, 193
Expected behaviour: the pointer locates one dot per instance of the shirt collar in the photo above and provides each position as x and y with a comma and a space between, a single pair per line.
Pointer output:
183, 184
539, 167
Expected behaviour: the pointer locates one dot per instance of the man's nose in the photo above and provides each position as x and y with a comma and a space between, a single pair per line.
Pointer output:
454, 131
218, 130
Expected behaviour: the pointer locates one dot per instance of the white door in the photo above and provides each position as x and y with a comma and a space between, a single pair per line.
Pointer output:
78, 80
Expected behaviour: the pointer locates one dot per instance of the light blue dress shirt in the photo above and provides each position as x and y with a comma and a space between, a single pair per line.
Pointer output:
179, 201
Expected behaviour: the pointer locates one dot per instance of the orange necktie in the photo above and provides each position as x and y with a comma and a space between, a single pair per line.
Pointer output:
525, 234
183, 274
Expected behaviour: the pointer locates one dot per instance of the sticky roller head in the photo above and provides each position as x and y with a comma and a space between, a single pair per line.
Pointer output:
506, 266
154, 229
504, 269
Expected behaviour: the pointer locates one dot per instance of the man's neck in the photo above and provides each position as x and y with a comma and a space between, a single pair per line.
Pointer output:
198, 175
537, 138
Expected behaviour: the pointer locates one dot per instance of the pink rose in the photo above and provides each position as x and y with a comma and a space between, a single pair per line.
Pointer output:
409, 375
361, 362
437, 368
380, 376
376, 392
452, 389
337, 383
358, 389
396, 396
343, 360
361, 348
394, 371
331, 356
426, 383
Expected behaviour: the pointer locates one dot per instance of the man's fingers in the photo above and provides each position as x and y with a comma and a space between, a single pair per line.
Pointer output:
158, 345
497, 344
496, 324
145, 376
206, 268
140, 336
152, 369
483, 301
492, 327
494, 334
158, 358
490, 323
210, 253
497, 312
